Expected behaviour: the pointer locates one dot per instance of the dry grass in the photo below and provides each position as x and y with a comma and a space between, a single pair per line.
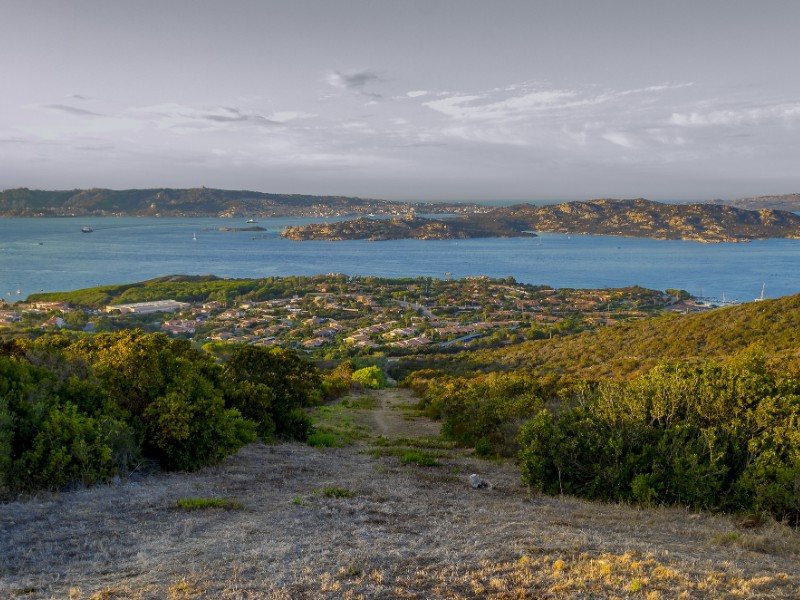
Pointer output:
402, 531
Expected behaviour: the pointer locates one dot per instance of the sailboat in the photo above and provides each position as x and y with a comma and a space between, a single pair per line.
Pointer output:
194, 237
762, 293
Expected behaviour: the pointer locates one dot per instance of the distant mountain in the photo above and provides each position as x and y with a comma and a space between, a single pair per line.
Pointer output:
202, 202
790, 202
632, 218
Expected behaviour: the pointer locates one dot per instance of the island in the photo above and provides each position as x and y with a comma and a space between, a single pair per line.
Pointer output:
707, 223
410, 226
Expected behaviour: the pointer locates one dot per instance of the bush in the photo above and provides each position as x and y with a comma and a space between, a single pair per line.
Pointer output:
295, 425
187, 432
69, 447
255, 402
718, 437
370, 377
487, 410
292, 381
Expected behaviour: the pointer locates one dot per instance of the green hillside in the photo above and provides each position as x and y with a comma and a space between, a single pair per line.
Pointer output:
630, 348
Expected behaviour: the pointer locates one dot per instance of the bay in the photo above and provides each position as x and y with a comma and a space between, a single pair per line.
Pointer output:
47, 254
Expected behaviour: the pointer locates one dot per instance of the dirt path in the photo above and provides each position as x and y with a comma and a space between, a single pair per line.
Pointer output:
390, 420
362, 522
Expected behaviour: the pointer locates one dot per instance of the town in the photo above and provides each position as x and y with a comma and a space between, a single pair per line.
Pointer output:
337, 316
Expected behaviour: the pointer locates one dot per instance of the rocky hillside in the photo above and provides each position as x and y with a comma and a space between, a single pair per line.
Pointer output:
633, 218
409, 227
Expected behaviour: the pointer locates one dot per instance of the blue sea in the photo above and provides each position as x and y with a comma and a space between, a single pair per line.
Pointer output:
53, 255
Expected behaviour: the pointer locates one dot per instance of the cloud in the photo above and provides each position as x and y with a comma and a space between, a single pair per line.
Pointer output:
290, 115
72, 110
523, 101
352, 80
176, 116
355, 82
619, 139
492, 106
733, 117
416, 93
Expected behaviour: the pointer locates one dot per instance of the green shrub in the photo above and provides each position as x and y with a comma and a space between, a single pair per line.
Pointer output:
69, 447
294, 425
487, 409
292, 381
421, 459
206, 503
710, 436
320, 439
370, 377
189, 428
254, 401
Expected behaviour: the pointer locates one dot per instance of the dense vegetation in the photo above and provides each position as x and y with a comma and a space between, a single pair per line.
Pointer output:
715, 436
630, 348
83, 411
188, 288
711, 436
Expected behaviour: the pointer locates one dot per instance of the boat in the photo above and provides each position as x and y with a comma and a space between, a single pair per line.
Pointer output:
252, 221
194, 237
86, 229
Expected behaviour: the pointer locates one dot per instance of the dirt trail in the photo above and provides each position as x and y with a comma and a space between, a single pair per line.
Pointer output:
360, 522
390, 420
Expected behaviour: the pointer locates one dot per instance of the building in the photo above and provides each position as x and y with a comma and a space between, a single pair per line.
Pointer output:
143, 308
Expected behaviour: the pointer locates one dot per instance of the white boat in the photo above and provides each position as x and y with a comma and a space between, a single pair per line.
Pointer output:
252, 221
194, 237
86, 229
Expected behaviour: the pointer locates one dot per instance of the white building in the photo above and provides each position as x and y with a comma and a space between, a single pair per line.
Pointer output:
142, 308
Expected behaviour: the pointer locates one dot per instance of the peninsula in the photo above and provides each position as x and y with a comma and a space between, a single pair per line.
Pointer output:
706, 223
206, 202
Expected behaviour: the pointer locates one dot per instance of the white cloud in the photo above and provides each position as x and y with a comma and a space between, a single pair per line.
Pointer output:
182, 118
619, 139
469, 107
290, 115
416, 93
736, 117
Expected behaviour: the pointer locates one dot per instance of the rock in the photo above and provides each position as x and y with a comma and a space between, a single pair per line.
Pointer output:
477, 482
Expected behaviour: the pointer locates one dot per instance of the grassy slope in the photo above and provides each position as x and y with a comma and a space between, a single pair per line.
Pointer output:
628, 348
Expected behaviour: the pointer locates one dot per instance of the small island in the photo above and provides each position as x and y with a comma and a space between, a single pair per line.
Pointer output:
707, 223
409, 227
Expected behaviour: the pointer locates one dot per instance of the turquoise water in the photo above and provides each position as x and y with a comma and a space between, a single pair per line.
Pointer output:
53, 255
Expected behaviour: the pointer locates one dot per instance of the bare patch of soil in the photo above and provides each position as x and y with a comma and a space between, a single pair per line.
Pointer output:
405, 531
392, 419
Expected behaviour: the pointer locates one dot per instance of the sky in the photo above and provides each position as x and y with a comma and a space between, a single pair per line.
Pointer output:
520, 100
